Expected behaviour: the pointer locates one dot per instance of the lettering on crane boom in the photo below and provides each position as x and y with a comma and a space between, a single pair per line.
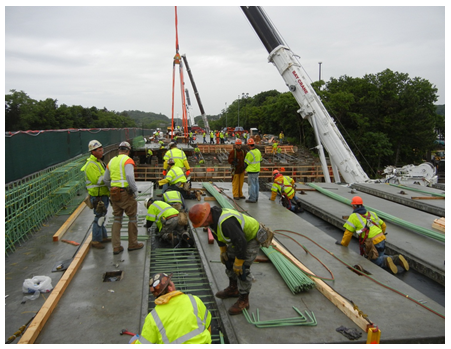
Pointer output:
300, 82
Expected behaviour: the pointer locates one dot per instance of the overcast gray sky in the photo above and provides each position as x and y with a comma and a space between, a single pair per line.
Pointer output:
121, 58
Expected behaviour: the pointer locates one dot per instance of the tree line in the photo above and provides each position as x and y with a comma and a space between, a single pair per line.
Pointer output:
386, 118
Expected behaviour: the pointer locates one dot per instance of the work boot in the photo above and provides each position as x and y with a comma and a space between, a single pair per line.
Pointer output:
240, 304
97, 244
198, 195
391, 265
118, 250
229, 292
106, 240
400, 260
242, 197
136, 246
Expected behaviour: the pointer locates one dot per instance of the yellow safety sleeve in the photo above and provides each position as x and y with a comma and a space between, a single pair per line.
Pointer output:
346, 238
165, 164
186, 164
163, 181
273, 195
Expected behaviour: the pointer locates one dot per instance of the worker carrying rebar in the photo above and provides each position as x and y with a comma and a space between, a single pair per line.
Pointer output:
239, 238
371, 230
172, 225
177, 318
120, 177
98, 191
175, 179
286, 188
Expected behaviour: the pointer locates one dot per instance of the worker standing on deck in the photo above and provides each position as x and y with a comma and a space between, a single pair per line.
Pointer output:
179, 157
245, 135
120, 177
281, 137
177, 318
285, 186
252, 167
212, 140
94, 170
236, 159
196, 153
239, 238
205, 137
371, 237
191, 137
221, 136
149, 156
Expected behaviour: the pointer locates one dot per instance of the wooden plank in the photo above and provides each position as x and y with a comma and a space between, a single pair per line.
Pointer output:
47, 308
427, 198
209, 198
439, 224
340, 302
58, 235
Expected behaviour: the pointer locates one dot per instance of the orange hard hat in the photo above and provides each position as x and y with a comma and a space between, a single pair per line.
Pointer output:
275, 172
357, 200
238, 141
159, 282
251, 141
198, 214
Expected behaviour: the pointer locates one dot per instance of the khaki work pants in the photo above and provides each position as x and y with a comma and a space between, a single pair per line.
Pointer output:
237, 185
129, 205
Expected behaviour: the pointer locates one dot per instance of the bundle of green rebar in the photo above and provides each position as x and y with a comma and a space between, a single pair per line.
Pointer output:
295, 279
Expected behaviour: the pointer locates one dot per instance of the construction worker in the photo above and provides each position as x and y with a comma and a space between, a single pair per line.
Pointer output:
285, 186
226, 136
179, 157
239, 238
274, 148
98, 191
196, 153
371, 230
281, 137
161, 144
177, 318
252, 167
175, 199
221, 137
245, 137
149, 156
170, 227
204, 135
217, 137
212, 140
236, 159
175, 180
191, 136
120, 177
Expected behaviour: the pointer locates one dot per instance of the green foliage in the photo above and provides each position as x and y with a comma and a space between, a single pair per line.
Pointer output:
25, 113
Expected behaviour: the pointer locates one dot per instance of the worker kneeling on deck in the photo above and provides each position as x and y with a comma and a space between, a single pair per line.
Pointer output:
172, 225
371, 237
177, 318
239, 238
284, 186
175, 179
175, 199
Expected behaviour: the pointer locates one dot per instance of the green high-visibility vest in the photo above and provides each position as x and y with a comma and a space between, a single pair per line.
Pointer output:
248, 224
160, 209
253, 159
172, 197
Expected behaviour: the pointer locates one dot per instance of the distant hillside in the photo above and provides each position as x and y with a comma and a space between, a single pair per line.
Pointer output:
149, 119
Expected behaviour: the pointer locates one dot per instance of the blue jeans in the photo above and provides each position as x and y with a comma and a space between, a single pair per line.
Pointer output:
99, 231
380, 261
252, 179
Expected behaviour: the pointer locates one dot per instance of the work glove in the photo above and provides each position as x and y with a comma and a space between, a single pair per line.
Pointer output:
164, 173
223, 256
187, 173
338, 242
238, 266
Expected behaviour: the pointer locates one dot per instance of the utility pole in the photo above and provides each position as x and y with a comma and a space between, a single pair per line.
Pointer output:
226, 112
320, 70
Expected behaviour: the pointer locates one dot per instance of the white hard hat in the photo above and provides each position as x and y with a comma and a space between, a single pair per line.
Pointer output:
146, 202
125, 145
93, 145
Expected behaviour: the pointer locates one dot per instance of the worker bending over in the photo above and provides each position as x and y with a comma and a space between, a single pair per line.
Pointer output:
371, 231
285, 186
177, 318
172, 225
175, 180
239, 238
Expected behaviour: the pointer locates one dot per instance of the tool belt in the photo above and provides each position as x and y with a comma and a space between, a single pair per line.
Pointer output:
264, 236
183, 219
115, 193
88, 202
367, 247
